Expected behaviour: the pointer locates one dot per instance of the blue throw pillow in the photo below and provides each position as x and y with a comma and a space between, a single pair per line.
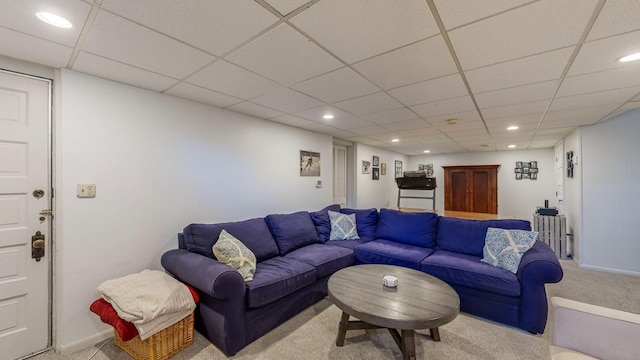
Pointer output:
322, 222
343, 226
504, 248
366, 221
292, 231
418, 229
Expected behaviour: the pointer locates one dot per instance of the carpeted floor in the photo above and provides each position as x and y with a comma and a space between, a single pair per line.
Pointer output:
311, 334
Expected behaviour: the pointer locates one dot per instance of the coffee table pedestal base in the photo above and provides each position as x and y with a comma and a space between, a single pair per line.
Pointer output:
405, 339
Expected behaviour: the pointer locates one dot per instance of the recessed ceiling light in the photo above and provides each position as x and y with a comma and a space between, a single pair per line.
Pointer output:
427, 151
54, 20
395, 140
328, 117
511, 146
513, 128
632, 57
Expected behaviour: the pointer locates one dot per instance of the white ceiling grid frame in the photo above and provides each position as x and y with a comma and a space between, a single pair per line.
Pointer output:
116, 38
338, 85
443, 88
211, 26
376, 26
34, 49
200, 94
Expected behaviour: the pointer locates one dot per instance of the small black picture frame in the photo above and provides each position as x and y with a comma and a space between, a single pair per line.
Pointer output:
518, 176
534, 176
375, 175
534, 164
376, 161
518, 164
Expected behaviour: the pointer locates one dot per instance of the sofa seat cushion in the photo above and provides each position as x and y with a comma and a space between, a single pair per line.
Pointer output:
326, 259
466, 236
469, 271
276, 278
292, 231
349, 244
253, 233
417, 229
381, 251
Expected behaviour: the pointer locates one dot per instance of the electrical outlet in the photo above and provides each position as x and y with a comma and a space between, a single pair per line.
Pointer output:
86, 190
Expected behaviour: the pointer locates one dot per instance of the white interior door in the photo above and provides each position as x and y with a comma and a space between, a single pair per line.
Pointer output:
340, 175
24, 168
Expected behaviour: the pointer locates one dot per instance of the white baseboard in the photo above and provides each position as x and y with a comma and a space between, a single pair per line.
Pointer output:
84, 343
610, 270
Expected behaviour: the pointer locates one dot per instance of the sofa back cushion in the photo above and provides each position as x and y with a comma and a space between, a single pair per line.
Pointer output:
253, 233
322, 222
418, 229
366, 221
465, 236
292, 231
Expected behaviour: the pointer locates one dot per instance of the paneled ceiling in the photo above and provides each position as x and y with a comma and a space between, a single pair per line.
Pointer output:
439, 75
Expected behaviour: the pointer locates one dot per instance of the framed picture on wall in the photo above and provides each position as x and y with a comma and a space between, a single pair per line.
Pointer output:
518, 164
518, 176
309, 163
376, 174
534, 176
534, 164
366, 167
398, 168
376, 161
383, 169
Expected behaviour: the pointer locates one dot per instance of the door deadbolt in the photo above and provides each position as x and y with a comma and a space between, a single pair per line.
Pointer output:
37, 246
38, 193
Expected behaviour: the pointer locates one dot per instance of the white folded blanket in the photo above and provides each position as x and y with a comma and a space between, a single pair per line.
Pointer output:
151, 300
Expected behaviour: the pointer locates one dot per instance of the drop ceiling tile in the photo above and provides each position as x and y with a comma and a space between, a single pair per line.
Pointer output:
233, 80
259, 111
469, 135
427, 59
350, 124
20, 14
625, 76
317, 113
528, 30
213, 26
202, 95
369, 104
519, 94
444, 107
425, 131
554, 132
460, 118
391, 116
338, 85
292, 121
29, 48
387, 137
284, 7
339, 133
286, 100
462, 126
500, 128
602, 54
121, 40
407, 125
376, 26
432, 139
108, 69
616, 17
459, 12
528, 108
544, 144
588, 114
477, 146
516, 136
370, 130
446, 87
618, 96
284, 55
528, 70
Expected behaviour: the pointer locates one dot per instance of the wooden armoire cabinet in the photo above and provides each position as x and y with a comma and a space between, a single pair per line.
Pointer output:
472, 188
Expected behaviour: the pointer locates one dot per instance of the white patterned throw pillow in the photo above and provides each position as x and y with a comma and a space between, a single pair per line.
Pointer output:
231, 251
504, 248
343, 226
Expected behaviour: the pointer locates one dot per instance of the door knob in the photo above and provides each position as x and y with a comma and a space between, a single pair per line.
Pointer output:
37, 246
38, 193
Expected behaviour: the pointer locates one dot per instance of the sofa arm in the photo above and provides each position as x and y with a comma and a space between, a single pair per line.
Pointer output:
538, 266
595, 330
218, 280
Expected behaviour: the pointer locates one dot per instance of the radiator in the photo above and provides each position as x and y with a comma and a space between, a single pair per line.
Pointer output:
553, 231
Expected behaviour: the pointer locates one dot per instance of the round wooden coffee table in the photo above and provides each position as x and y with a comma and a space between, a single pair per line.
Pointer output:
420, 301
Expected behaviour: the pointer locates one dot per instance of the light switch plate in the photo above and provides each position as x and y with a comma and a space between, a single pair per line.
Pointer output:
86, 190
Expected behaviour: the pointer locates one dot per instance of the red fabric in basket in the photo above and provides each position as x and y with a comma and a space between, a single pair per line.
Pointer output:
125, 329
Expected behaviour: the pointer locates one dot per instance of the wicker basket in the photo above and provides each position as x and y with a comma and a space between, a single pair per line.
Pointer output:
161, 345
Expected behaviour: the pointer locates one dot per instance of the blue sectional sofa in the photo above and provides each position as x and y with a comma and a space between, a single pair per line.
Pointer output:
295, 259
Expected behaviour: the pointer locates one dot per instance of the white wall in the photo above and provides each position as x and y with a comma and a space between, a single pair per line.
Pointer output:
159, 163
572, 203
516, 198
381, 193
610, 194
